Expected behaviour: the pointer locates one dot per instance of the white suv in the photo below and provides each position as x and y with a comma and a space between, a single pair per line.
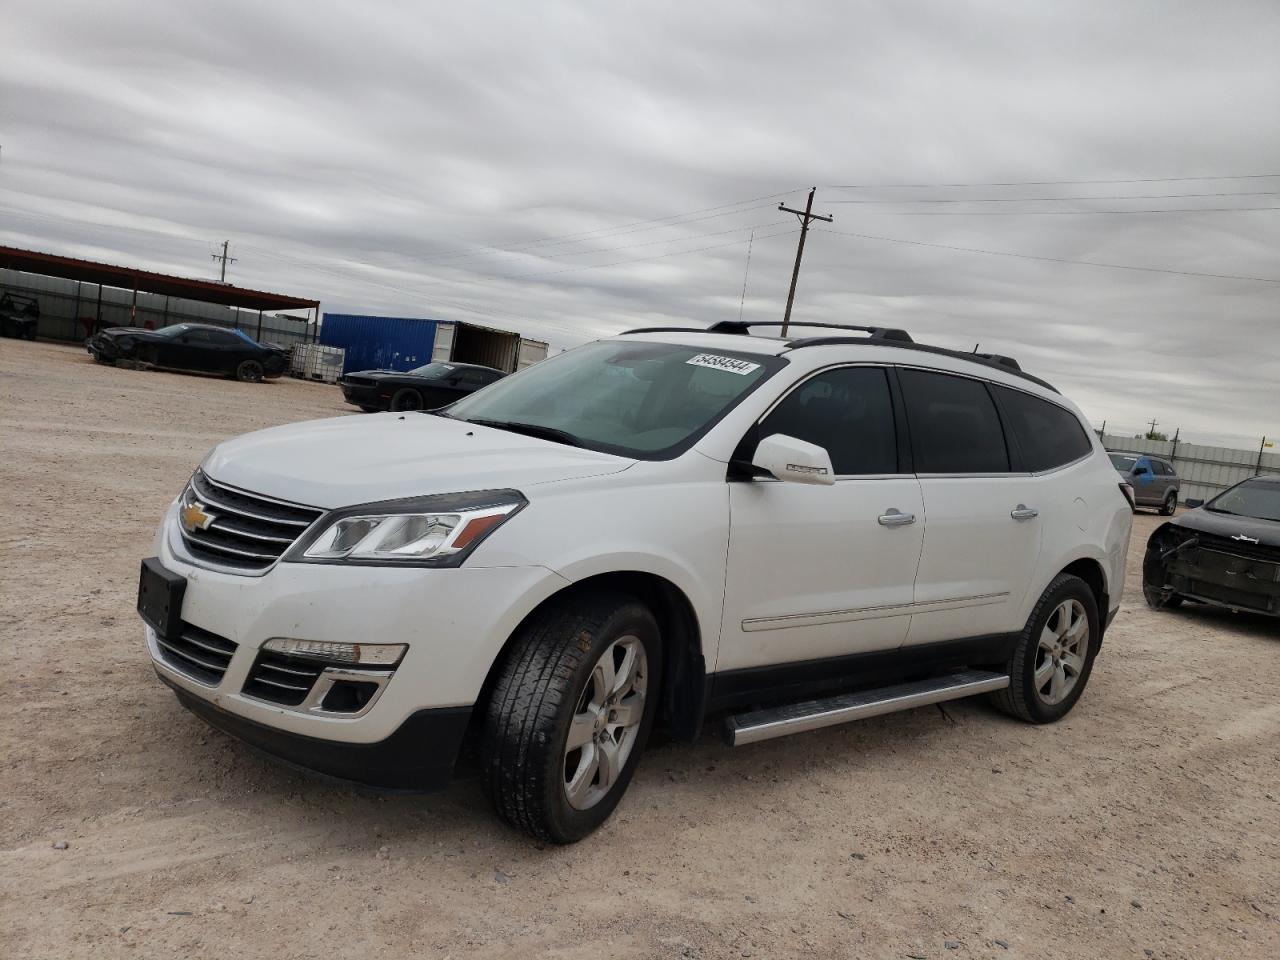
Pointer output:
658, 528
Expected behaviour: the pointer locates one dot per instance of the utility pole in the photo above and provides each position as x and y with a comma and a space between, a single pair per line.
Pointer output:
807, 216
225, 260
1151, 435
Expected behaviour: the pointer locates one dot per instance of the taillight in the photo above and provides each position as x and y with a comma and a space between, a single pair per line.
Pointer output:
1127, 489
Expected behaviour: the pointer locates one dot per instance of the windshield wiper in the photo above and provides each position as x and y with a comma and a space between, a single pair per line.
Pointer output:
530, 430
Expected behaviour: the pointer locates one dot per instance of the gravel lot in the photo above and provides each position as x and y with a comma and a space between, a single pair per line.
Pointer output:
1145, 824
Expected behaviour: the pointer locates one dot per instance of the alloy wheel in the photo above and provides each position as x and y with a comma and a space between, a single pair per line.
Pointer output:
606, 722
1060, 657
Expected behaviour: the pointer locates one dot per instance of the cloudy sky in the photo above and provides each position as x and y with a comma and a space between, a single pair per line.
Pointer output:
571, 170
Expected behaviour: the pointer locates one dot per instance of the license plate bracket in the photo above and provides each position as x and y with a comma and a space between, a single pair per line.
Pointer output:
160, 594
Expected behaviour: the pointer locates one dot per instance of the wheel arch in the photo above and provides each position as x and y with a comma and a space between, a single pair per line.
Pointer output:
1092, 573
684, 677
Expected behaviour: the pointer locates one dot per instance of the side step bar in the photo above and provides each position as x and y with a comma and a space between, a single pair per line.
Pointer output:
773, 722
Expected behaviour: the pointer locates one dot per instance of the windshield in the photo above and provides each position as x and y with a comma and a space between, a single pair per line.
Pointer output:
433, 371
1253, 498
172, 330
1123, 462
639, 399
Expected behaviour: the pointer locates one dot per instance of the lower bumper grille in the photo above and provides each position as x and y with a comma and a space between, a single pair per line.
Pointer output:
282, 679
197, 653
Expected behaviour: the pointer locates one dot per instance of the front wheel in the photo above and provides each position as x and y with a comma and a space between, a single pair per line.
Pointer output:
569, 715
1053, 656
249, 371
406, 398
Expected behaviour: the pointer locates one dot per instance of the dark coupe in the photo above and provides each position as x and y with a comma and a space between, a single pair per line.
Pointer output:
190, 346
1224, 552
422, 388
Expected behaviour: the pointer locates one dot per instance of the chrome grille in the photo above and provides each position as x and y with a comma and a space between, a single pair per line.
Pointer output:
248, 532
282, 679
199, 654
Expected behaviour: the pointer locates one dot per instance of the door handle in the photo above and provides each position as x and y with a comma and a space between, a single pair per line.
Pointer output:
893, 517
1023, 512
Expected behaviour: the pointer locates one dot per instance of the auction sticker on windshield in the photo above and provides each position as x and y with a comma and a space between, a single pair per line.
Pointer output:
728, 364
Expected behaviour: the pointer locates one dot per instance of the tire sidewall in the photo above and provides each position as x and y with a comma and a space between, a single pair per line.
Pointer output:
1069, 588
568, 823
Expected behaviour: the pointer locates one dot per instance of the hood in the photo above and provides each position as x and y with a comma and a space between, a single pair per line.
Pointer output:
1266, 532
378, 374
351, 460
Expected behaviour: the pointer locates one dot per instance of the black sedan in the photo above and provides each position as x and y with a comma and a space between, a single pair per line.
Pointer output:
1225, 552
190, 346
423, 388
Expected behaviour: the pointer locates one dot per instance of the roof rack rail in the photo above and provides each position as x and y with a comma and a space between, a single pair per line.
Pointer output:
744, 327
879, 336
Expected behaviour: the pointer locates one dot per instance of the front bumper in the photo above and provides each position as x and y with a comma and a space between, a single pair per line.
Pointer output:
363, 395
455, 623
418, 756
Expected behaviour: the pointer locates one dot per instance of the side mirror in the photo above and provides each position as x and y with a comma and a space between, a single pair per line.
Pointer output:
796, 461
1193, 502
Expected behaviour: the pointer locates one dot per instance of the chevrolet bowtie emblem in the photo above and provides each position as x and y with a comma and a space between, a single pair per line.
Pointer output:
194, 518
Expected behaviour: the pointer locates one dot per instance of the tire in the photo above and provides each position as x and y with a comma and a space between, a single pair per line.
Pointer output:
1160, 600
249, 371
549, 687
406, 398
1170, 505
1041, 700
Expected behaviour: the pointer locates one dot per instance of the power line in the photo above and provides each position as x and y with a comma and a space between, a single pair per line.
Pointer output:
1055, 213
1138, 196
1029, 256
1048, 183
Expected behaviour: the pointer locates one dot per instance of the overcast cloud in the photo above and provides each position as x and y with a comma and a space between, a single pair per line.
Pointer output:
404, 158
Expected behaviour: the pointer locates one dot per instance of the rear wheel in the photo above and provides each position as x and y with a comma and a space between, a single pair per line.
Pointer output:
406, 398
1053, 656
569, 715
249, 371
1170, 504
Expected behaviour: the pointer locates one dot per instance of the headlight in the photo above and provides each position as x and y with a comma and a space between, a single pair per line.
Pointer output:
438, 531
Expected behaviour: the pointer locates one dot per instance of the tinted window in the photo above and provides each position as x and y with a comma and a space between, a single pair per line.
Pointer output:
226, 339
954, 424
848, 413
1047, 435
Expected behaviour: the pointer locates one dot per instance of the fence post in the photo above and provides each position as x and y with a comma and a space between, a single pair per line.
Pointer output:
1174, 452
1257, 469
259, 336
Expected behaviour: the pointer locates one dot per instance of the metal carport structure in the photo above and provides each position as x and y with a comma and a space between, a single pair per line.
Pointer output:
146, 281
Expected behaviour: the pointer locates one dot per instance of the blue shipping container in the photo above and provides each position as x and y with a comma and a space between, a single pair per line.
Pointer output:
379, 343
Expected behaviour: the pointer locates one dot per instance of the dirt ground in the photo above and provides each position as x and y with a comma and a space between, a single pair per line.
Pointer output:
1144, 825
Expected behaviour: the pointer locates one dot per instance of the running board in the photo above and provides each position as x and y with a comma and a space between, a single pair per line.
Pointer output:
814, 714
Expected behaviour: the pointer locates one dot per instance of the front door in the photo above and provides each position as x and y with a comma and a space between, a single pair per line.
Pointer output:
824, 571
983, 540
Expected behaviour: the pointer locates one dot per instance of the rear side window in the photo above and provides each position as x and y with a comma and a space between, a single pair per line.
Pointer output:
1047, 435
954, 424
848, 413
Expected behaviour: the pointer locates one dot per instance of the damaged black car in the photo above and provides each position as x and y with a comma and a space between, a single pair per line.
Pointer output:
1225, 552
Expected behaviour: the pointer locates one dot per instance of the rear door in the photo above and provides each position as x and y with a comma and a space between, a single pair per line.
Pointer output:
814, 572
983, 537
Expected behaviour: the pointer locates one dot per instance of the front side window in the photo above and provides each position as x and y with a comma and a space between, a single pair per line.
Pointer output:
954, 424
630, 397
1047, 435
848, 412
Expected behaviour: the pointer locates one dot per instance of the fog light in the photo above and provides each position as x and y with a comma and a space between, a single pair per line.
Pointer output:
364, 654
